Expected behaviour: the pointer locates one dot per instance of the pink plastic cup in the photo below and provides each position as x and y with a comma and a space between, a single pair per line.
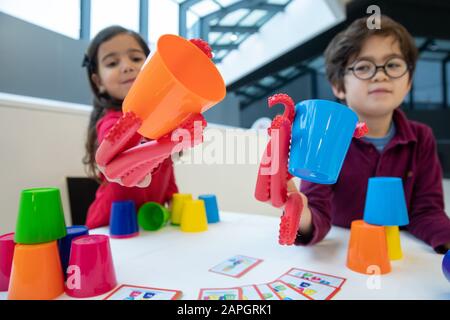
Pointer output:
91, 269
6, 258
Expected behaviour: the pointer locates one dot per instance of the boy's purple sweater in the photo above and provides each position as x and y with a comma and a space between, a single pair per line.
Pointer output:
410, 155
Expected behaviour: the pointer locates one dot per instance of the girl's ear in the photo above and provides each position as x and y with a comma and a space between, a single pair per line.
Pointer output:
96, 79
340, 94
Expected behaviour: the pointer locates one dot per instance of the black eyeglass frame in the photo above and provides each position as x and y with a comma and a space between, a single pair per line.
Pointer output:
352, 69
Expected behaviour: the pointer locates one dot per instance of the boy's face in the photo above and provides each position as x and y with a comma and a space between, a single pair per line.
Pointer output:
380, 95
119, 62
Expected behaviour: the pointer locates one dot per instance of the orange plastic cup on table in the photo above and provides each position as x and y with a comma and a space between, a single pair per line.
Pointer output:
36, 272
178, 80
367, 250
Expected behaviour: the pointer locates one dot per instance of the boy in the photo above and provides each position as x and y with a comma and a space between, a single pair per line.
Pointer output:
371, 71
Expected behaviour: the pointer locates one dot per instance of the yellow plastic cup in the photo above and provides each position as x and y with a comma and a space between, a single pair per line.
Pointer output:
176, 208
194, 217
393, 242
178, 80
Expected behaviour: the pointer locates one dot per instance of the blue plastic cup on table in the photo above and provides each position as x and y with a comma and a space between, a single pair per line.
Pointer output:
446, 265
123, 220
65, 244
385, 202
321, 135
212, 210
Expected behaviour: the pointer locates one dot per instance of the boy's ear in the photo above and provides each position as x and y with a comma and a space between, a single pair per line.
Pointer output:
409, 85
340, 94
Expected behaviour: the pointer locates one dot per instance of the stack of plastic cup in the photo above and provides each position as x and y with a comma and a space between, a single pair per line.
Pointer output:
36, 269
386, 206
212, 210
176, 210
6, 257
65, 243
193, 218
91, 268
152, 216
377, 238
123, 221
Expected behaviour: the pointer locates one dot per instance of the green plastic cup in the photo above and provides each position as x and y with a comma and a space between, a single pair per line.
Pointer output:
152, 216
40, 217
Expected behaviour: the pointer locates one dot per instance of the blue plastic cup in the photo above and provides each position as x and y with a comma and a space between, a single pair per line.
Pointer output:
446, 265
385, 202
123, 221
321, 135
212, 210
65, 244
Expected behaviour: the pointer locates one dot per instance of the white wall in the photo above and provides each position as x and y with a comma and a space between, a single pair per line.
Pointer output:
42, 142
447, 195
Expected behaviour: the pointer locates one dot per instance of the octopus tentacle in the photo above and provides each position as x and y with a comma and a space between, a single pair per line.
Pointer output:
361, 130
271, 184
132, 165
203, 45
290, 219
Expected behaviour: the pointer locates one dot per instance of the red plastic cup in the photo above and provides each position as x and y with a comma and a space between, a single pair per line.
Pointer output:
91, 269
6, 258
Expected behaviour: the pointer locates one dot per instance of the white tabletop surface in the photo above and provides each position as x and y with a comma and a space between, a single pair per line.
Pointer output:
172, 259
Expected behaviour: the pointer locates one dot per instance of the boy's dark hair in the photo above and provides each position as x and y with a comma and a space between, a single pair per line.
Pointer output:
102, 101
348, 43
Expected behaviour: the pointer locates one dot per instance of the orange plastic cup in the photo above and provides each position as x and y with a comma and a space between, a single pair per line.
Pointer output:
176, 82
368, 248
36, 272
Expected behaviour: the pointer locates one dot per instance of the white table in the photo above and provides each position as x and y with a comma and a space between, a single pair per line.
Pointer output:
172, 259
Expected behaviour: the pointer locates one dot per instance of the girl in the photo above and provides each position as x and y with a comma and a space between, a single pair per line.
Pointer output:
113, 61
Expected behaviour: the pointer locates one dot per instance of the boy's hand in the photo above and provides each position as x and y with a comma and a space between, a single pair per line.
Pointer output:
292, 188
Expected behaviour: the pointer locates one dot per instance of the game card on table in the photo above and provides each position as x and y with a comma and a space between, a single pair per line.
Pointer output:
236, 266
129, 292
322, 278
220, 294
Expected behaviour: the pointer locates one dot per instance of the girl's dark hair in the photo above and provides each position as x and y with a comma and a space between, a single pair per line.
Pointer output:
102, 101
348, 44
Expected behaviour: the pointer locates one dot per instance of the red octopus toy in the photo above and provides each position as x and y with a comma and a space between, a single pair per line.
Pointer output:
273, 175
127, 161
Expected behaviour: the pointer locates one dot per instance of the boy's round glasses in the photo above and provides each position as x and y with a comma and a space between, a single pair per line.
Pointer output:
394, 68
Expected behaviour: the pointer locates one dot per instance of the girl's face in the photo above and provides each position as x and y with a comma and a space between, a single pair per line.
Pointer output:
119, 61
380, 95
